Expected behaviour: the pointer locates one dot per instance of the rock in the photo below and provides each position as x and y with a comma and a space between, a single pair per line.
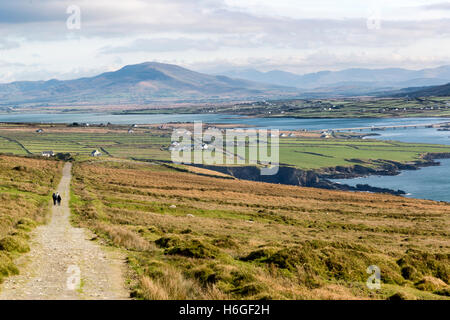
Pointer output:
173, 206
190, 216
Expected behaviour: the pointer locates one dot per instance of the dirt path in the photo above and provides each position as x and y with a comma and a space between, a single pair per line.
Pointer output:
64, 264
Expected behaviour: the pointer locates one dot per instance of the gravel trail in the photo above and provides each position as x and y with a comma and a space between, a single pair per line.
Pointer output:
64, 264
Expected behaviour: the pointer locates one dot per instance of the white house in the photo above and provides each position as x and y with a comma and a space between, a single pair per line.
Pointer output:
96, 153
48, 154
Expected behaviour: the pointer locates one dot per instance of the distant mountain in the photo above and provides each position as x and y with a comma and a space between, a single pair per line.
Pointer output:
361, 78
138, 84
433, 91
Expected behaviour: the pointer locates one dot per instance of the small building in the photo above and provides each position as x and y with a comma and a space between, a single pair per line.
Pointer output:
48, 154
96, 153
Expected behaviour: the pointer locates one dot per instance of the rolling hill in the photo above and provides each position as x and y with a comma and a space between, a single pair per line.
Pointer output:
432, 91
137, 84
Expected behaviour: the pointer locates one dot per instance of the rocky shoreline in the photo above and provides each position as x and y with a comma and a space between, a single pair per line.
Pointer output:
321, 178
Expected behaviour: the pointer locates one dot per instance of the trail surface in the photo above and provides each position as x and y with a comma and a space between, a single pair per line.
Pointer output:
64, 264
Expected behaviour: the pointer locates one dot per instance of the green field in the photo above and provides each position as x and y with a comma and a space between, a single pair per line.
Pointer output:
146, 144
324, 108
320, 153
110, 144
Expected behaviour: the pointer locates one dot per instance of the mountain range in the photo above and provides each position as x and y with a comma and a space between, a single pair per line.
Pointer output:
356, 78
138, 84
157, 83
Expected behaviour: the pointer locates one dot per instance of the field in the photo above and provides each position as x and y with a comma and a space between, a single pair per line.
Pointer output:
324, 108
305, 151
320, 153
190, 233
25, 188
22, 139
188, 236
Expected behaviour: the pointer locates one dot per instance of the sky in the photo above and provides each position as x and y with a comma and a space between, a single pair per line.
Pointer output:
66, 39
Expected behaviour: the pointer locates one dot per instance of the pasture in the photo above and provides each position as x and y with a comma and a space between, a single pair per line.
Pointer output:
305, 151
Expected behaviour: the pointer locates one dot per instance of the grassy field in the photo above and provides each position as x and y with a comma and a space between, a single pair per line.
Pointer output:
25, 188
320, 153
195, 237
324, 108
117, 142
306, 151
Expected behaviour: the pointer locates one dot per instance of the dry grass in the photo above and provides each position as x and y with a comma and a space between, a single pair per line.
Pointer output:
25, 188
241, 239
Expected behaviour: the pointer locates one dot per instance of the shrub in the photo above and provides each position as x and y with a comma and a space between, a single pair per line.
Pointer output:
14, 244
167, 242
225, 242
425, 264
430, 284
25, 224
409, 272
7, 267
401, 296
205, 275
193, 249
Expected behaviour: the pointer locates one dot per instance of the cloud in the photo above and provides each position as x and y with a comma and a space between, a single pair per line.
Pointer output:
7, 44
297, 35
162, 45
438, 6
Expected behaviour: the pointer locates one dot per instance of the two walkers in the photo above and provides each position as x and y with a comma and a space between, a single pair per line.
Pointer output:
56, 199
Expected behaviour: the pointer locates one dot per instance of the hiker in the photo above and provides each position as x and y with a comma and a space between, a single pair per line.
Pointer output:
55, 198
58, 198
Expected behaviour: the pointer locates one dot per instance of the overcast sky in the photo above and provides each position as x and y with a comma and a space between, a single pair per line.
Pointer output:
300, 36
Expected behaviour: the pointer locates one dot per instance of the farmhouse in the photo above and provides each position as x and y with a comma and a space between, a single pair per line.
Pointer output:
96, 153
48, 154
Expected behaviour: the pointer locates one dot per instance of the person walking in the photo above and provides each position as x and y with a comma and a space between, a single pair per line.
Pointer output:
55, 198
58, 198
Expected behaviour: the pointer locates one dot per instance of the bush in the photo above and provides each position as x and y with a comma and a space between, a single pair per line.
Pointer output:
416, 264
14, 244
401, 296
205, 275
192, 249
64, 156
167, 242
7, 267
25, 224
259, 255
430, 284
225, 242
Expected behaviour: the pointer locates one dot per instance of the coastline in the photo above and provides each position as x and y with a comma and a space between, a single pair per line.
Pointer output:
321, 178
